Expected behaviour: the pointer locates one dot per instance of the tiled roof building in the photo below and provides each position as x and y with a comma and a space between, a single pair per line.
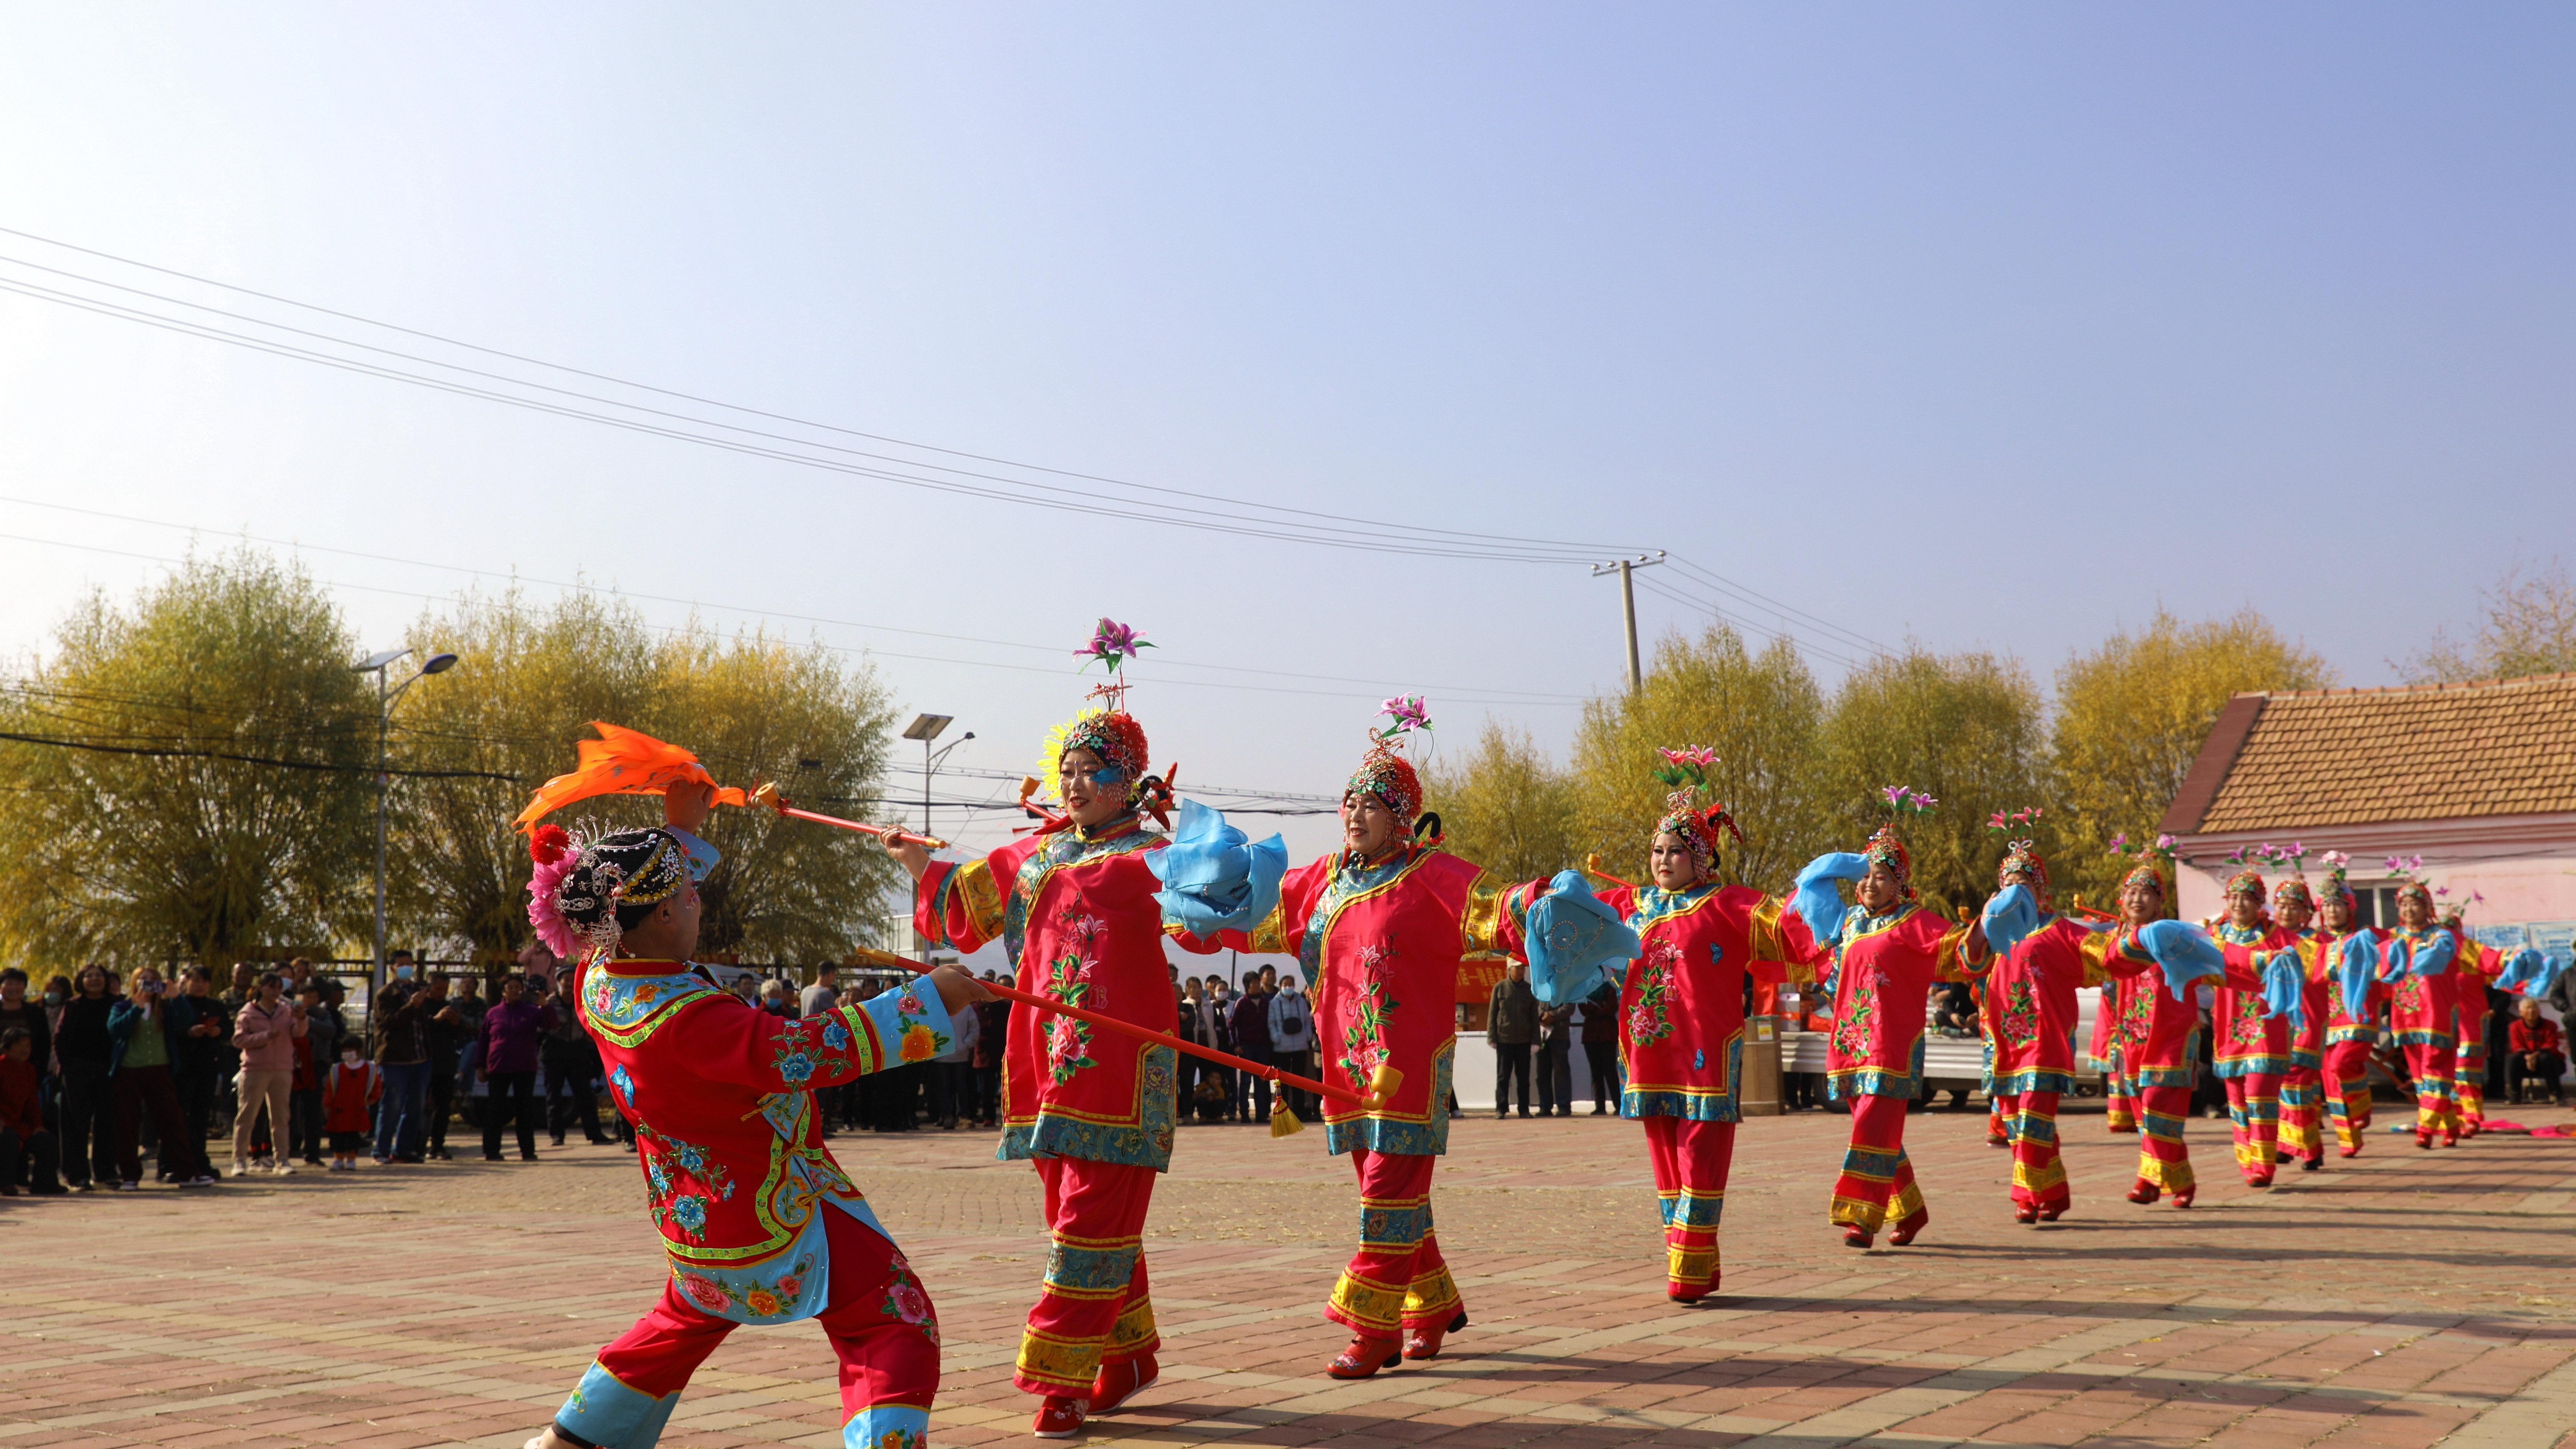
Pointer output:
2479, 779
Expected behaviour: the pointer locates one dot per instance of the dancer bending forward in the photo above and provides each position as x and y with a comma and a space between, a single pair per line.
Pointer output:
760, 1224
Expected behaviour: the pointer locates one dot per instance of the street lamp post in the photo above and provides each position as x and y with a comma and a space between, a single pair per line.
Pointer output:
925, 728
378, 664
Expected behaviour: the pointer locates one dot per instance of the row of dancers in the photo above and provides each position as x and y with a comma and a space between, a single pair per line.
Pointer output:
761, 1225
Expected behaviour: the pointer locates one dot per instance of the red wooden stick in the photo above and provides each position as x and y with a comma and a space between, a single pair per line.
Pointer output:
1147, 1033
767, 794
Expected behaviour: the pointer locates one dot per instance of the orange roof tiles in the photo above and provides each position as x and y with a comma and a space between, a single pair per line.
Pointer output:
2424, 752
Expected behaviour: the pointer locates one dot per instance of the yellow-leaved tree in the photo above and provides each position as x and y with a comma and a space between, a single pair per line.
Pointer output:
1966, 729
1505, 805
1761, 713
2131, 716
749, 706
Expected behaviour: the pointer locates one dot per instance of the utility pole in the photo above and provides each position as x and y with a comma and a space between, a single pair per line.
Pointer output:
1626, 569
925, 728
378, 664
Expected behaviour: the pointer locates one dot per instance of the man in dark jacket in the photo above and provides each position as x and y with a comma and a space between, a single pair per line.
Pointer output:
513, 1030
86, 1051
1250, 1020
401, 1025
149, 1029
450, 1028
206, 1059
1601, 1048
1511, 1024
572, 1075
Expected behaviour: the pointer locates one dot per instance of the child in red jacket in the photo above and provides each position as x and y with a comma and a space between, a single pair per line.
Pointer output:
348, 1102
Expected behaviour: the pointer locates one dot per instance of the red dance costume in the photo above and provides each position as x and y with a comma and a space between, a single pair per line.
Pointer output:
2476, 967
1382, 940
1092, 1108
1883, 969
2031, 1013
2119, 1030
2422, 1008
1681, 1035
2251, 1050
2158, 1067
760, 1224
2351, 1028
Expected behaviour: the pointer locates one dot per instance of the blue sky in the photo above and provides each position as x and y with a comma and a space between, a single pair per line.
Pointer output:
1994, 326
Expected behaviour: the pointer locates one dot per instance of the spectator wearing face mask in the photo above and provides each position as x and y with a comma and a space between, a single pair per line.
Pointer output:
1250, 1019
149, 1029
350, 1094
1292, 1042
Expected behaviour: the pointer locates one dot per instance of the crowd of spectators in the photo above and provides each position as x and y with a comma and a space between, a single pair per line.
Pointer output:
101, 1066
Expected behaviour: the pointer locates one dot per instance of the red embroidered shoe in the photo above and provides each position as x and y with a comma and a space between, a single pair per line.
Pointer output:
2183, 1195
1856, 1236
2025, 1212
1364, 1357
1680, 1294
2349, 1151
1058, 1418
1120, 1382
1906, 1228
2145, 1193
2051, 1214
1425, 1342
2424, 1139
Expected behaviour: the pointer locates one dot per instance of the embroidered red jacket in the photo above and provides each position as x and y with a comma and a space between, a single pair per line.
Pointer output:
1882, 969
721, 1097
2030, 1005
1382, 943
1681, 1006
1076, 911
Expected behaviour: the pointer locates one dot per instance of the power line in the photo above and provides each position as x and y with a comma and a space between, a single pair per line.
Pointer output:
678, 395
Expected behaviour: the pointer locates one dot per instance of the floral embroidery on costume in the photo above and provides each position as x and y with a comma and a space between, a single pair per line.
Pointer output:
1853, 1020
1650, 1020
1364, 1042
2020, 1013
1071, 980
772, 1299
906, 1303
680, 1183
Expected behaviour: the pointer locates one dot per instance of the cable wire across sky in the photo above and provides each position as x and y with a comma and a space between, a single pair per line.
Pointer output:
804, 442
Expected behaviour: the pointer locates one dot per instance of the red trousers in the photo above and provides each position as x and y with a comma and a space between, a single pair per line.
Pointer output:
2162, 1159
1691, 1159
880, 1325
2347, 1089
2435, 1110
2120, 1097
2254, 1110
1877, 1180
1093, 1308
2303, 1113
2030, 1123
1397, 1280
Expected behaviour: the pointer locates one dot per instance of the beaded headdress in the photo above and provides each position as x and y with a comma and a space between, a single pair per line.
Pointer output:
2293, 888
1384, 771
582, 885
2337, 863
1686, 771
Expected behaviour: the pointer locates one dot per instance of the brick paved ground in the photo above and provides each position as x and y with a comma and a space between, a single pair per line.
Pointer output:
2389, 1302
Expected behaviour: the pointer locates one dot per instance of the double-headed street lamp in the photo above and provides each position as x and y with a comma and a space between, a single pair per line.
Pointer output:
379, 664
925, 728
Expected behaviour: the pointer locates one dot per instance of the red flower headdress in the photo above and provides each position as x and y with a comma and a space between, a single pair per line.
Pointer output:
2155, 863
1384, 771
